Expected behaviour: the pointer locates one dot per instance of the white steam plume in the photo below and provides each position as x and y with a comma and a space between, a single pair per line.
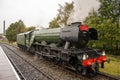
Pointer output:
81, 10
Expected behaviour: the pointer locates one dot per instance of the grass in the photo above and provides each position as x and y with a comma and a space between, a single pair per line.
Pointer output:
114, 67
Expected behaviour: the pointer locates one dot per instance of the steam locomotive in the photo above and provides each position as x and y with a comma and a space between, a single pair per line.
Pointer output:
66, 46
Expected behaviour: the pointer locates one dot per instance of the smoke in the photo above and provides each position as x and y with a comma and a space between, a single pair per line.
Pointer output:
82, 9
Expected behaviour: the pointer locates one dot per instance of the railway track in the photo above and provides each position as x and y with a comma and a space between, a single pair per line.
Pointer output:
26, 69
99, 76
108, 76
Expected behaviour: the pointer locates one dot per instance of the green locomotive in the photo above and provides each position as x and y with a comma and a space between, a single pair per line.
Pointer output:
67, 46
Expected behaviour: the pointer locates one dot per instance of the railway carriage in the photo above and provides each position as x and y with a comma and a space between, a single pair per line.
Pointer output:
66, 46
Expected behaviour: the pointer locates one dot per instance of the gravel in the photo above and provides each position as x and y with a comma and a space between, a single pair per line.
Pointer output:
29, 72
57, 72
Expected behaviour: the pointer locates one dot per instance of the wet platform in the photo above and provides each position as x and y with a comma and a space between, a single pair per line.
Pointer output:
7, 71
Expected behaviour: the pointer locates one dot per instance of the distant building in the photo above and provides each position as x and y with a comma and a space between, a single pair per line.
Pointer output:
2, 37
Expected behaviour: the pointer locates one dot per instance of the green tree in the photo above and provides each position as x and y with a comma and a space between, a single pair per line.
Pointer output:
110, 9
14, 29
93, 19
54, 23
64, 12
63, 15
106, 21
30, 28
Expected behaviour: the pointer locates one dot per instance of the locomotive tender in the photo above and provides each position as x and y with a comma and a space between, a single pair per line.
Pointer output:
66, 46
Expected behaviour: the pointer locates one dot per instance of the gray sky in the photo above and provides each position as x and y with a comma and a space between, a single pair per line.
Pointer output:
32, 12
37, 12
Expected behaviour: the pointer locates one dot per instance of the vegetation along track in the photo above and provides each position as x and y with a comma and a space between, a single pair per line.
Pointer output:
99, 76
26, 69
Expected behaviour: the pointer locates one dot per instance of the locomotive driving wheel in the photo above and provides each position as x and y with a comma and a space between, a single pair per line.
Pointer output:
79, 68
95, 68
56, 60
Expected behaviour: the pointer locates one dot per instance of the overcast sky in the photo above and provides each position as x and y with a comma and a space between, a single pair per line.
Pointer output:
33, 12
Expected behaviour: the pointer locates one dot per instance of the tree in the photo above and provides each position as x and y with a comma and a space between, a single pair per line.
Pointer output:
63, 15
93, 19
110, 9
30, 28
14, 29
106, 21
54, 23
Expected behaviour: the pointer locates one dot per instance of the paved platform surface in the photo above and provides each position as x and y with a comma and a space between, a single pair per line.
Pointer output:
7, 71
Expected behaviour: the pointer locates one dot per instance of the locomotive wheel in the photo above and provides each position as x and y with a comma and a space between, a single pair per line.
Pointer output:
44, 43
32, 49
53, 45
95, 68
79, 68
56, 60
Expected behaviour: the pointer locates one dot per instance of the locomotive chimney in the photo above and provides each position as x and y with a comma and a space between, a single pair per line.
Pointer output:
76, 23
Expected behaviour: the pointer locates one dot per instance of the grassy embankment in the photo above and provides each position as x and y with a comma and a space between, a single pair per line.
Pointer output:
114, 67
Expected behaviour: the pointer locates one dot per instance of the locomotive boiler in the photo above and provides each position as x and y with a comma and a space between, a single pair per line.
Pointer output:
66, 46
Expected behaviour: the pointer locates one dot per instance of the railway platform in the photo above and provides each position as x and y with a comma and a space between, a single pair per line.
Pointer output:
7, 71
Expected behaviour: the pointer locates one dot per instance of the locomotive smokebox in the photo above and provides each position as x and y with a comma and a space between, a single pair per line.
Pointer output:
75, 33
78, 34
70, 33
